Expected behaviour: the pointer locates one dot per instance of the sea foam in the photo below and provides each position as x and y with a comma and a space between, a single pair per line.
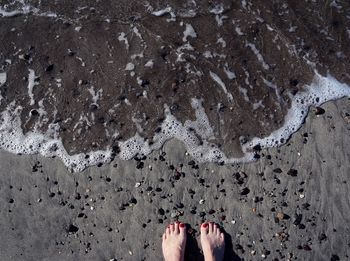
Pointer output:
196, 135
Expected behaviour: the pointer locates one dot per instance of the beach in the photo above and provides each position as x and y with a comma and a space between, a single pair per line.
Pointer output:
291, 204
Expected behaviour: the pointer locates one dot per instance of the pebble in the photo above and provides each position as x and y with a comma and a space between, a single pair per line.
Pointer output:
292, 172
174, 214
245, 191
280, 216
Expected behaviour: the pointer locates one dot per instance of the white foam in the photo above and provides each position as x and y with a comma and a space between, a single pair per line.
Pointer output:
195, 135
244, 91
25, 10
218, 10
321, 89
129, 67
13, 140
258, 55
272, 86
162, 12
96, 95
167, 10
230, 74
189, 31
218, 80
31, 84
3, 78
222, 42
149, 64
238, 30
122, 38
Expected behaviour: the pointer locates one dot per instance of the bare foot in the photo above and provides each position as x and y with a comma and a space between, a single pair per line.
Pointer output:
213, 242
174, 242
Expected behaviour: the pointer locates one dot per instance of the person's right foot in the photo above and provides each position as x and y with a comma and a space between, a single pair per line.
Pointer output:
174, 242
213, 242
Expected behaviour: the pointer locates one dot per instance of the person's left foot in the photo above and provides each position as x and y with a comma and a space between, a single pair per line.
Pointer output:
174, 242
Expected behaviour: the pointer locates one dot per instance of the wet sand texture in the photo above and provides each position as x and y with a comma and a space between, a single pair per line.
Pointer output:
294, 203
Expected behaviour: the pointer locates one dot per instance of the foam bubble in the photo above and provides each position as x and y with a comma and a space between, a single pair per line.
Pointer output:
195, 135
321, 90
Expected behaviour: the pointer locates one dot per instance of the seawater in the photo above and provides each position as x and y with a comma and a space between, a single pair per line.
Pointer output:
119, 82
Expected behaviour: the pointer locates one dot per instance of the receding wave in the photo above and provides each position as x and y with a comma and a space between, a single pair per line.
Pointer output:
88, 82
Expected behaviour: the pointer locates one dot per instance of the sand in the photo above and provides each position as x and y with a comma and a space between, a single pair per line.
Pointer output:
119, 211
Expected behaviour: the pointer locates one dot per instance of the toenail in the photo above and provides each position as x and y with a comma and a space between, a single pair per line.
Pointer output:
182, 225
205, 225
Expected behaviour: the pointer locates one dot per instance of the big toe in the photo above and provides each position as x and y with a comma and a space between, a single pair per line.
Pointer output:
205, 228
182, 228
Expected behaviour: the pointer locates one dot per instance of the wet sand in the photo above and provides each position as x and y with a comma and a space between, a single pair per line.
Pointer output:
293, 203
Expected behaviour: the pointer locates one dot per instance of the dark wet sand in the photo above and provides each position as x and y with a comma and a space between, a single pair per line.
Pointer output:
48, 213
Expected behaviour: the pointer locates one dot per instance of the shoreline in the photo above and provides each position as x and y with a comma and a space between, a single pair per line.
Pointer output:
120, 210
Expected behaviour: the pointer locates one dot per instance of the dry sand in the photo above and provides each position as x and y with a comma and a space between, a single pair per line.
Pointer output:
120, 210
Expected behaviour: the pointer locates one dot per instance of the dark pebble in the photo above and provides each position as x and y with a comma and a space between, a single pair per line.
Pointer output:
319, 111
292, 172
335, 258
306, 247
49, 68
322, 237
297, 219
140, 165
277, 170
245, 191
211, 211
72, 229
161, 212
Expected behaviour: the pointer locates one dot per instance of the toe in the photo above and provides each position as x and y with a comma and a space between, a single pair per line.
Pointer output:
176, 228
182, 228
168, 231
222, 237
215, 228
205, 228
171, 227
164, 236
211, 227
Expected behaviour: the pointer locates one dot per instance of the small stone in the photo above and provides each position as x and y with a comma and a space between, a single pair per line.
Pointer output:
245, 191
322, 237
211, 211
307, 248
319, 111
72, 229
280, 216
277, 170
173, 214
201, 202
335, 258
297, 219
292, 172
